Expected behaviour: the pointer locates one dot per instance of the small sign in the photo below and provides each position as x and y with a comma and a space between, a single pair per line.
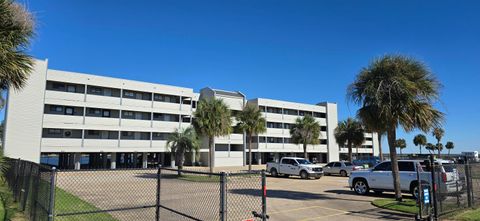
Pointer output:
426, 196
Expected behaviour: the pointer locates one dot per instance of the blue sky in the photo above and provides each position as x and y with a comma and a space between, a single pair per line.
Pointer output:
305, 51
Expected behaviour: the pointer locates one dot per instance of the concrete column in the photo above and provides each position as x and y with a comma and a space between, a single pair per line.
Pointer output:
76, 161
172, 160
144, 160
259, 158
194, 153
276, 157
113, 161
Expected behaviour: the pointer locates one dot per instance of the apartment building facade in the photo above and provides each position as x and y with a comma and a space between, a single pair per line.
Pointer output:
75, 121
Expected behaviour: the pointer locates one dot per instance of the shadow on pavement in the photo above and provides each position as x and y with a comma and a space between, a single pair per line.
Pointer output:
371, 194
291, 195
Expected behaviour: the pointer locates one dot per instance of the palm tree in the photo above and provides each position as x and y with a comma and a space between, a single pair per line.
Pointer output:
397, 91
306, 130
400, 144
351, 133
17, 27
181, 142
419, 141
439, 147
449, 146
251, 121
212, 118
430, 147
438, 134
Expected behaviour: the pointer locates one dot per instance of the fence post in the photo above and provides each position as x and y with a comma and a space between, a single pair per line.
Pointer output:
264, 196
51, 206
434, 187
26, 188
223, 197
469, 184
157, 208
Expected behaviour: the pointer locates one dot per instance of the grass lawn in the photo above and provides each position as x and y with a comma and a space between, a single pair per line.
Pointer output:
467, 215
407, 206
8, 209
68, 203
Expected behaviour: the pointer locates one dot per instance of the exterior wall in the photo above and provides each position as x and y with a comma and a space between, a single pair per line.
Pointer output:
24, 115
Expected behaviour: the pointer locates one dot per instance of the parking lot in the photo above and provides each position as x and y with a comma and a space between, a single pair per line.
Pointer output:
326, 199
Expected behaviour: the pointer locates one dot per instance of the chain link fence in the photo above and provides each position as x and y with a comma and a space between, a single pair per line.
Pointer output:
136, 194
456, 186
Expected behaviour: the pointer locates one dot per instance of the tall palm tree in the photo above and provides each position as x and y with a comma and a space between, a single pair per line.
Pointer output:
449, 146
399, 92
251, 121
438, 133
212, 118
351, 133
306, 130
430, 147
419, 141
439, 148
17, 27
400, 144
181, 142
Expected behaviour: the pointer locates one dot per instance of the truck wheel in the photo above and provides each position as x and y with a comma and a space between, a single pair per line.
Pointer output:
343, 173
274, 172
361, 187
414, 190
304, 174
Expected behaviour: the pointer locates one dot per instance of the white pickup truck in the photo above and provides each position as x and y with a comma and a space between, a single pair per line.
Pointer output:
380, 177
295, 166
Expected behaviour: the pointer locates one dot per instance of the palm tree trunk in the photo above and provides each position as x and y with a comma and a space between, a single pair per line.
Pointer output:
448, 152
401, 152
438, 148
420, 149
380, 146
356, 155
249, 152
305, 154
211, 154
349, 145
392, 136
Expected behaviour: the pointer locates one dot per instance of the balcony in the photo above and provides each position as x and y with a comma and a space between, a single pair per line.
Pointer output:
167, 106
102, 121
54, 120
134, 144
159, 145
276, 131
61, 145
102, 99
136, 103
166, 126
100, 143
136, 123
63, 96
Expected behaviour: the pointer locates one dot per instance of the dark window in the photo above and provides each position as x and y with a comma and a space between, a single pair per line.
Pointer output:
166, 117
323, 128
137, 95
329, 164
385, 166
132, 135
128, 115
166, 98
323, 141
262, 108
57, 109
406, 166
274, 140
287, 125
194, 104
287, 140
290, 112
368, 139
71, 88
304, 113
262, 140
61, 133
69, 111
58, 86
160, 136
106, 113
274, 125
337, 165
65, 87
347, 164
274, 110
319, 115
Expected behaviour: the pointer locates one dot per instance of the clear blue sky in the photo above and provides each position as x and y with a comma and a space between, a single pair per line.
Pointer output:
305, 51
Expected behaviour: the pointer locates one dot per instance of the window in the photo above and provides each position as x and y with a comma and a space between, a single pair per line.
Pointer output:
323, 141
262, 108
166, 98
69, 110
319, 115
55, 131
274, 125
128, 115
337, 165
385, 166
106, 113
329, 165
71, 88
274, 140
54, 108
194, 104
288, 161
274, 110
160, 136
58, 86
406, 166
323, 128
128, 94
95, 90
347, 164
304, 113
287, 140
262, 140
93, 132
287, 125
290, 112
368, 139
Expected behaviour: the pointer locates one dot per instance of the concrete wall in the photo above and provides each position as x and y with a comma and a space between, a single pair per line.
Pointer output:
24, 115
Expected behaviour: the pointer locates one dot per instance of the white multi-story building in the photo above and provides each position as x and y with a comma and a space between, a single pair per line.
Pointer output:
75, 120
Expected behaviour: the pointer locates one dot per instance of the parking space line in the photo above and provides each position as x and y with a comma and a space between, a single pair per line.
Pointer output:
306, 208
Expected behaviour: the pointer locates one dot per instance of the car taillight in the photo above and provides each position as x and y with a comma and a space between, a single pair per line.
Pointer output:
444, 177
355, 168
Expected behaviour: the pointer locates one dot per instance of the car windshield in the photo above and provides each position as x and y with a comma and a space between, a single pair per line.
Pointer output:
448, 167
303, 161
